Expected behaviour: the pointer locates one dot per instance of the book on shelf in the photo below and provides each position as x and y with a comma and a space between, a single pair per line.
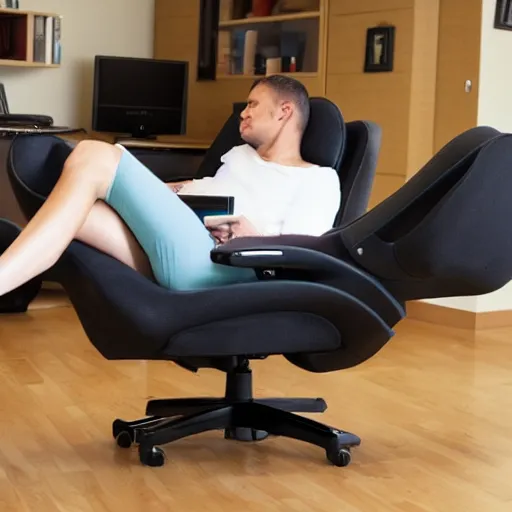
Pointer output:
47, 39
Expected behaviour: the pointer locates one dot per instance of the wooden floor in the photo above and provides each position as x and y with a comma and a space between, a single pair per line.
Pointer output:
434, 410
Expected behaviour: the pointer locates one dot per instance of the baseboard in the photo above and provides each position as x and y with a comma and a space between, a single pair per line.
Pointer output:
458, 318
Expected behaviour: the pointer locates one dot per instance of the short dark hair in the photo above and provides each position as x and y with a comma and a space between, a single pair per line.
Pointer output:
292, 89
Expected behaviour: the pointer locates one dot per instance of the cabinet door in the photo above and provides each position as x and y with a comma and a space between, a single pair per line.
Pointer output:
458, 62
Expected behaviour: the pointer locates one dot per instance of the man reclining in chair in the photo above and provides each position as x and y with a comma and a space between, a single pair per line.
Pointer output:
107, 199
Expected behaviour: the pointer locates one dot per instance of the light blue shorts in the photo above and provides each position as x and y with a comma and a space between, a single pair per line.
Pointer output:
175, 240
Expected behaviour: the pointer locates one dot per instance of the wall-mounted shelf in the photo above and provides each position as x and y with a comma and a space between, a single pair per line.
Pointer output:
32, 39
26, 64
278, 18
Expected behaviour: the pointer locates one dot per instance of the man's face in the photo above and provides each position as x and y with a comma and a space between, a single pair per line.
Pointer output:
263, 117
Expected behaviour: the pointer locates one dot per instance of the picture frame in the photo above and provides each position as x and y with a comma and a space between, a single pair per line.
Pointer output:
4, 105
503, 15
380, 49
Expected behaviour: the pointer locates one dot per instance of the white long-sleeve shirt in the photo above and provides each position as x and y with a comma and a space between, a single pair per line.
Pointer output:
276, 199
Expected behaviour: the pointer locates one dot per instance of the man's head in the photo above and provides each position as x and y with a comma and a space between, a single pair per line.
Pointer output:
276, 105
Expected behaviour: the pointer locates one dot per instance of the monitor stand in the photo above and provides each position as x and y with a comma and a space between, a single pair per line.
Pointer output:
139, 134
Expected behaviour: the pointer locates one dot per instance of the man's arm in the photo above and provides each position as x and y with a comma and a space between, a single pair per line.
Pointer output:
239, 227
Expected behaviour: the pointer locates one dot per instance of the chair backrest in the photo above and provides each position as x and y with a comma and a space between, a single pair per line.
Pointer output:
357, 169
446, 232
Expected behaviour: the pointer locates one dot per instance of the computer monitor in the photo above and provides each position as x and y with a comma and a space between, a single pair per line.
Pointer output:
138, 97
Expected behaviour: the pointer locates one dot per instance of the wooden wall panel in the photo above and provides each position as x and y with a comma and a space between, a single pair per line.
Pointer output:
347, 40
383, 186
402, 102
176, 8
383, 99
420, 145
173, 37
458, 61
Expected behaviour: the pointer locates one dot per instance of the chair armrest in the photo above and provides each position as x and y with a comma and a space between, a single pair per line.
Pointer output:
262, 256
318, 267
273, 257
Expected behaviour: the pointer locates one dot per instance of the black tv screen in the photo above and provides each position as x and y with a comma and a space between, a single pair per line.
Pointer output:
139, 97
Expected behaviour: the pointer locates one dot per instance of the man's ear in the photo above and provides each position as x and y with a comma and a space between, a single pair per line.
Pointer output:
285, 111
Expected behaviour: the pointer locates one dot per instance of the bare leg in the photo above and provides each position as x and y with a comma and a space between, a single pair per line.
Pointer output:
105, 230
86, 176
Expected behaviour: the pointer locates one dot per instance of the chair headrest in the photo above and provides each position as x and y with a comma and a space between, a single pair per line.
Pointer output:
323, 142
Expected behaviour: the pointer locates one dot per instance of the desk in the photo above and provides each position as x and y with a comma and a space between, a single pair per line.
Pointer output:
9, 208
162, 145
169, 160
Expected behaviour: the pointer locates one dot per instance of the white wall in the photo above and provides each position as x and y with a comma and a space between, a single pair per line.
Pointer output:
89, 27
494, 109
494, 105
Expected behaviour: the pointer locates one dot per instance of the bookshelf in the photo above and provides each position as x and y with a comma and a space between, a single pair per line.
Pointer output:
31, 39
288, 42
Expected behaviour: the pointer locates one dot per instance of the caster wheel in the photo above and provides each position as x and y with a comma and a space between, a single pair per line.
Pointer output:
124, 439
155, 457
341, 457
123, 434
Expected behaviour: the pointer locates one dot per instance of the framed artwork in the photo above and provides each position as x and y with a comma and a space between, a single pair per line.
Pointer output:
380, 49
503, 15
4, 106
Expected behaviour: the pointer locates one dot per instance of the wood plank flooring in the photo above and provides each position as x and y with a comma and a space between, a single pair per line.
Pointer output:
433, 408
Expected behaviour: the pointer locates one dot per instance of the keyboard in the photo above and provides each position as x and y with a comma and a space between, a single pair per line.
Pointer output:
25, 120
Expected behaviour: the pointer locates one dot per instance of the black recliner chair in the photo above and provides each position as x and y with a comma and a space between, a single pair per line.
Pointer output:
324, 303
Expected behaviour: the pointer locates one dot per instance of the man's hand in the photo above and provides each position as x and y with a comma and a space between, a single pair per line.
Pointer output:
178, 185
242, 227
